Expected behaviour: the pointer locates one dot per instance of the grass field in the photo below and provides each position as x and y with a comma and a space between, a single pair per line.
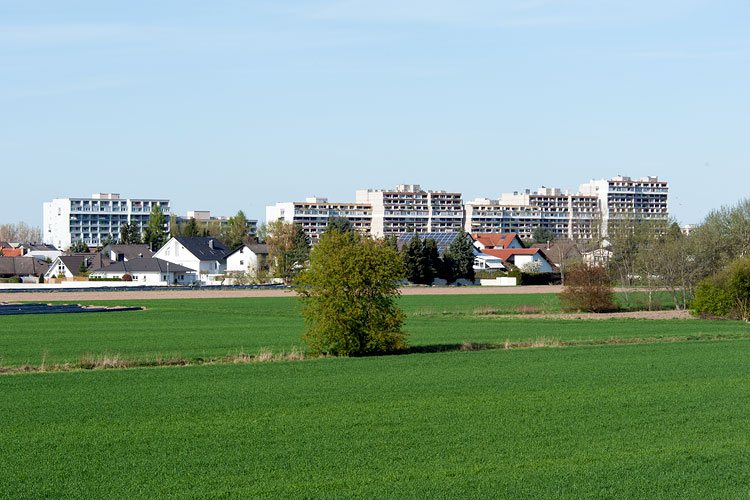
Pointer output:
641, 421
661, 420
209, 328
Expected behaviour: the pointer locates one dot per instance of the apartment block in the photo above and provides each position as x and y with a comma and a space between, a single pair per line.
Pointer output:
565, 214
313, 214
624, 198
91, 220
408, 209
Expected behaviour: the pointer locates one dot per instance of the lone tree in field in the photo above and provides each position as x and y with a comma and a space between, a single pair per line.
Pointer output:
348, 295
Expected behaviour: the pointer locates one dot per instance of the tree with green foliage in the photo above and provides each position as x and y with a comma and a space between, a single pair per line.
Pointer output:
157, 229
79, 246
339, 223
414, 260
460, 257
109, 240
542, 234
236, 230
129, 234
83, 268
300, 251
726, 293
190, 228
348, 296
432, 262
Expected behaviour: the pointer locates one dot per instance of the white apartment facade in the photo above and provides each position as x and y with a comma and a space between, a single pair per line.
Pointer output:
622, 197
313, 214
409, 209
91, 220
566, 215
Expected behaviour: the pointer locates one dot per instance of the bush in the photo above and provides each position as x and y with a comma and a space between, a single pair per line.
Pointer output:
727, 293
712, 300
587, 289
348, 295
41, 278
15, 279
127, 277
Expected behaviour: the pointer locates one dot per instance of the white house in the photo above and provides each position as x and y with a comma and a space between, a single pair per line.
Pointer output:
526, 259
41, 252
148, 271
247, 258
119, 253
203, 254
69, 266
497, 241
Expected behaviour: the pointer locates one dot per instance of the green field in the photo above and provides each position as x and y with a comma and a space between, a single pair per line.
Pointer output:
661, 420
210, 328
642, 421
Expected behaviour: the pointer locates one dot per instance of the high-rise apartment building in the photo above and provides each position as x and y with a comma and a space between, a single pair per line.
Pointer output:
313, 214
623, 197
91, 220
408, 208
566, 215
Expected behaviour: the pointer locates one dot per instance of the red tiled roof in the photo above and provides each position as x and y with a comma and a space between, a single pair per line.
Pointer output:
494, 239
506, 253
12, 252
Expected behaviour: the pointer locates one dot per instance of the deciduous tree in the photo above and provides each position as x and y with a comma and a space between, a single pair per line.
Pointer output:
348, 295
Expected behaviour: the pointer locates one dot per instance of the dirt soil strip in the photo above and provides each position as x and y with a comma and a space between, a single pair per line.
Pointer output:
671, 314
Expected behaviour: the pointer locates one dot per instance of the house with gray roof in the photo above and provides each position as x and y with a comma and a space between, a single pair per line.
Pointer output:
248, 258
22, 267
69, 266
203, 254
121, 253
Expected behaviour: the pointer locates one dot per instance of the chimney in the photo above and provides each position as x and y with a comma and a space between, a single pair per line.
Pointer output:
211, 244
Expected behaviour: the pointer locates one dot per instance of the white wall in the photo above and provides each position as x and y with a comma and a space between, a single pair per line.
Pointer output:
523, 260
242, 260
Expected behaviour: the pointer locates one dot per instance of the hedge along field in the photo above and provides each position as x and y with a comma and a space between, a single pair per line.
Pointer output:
640, 421
210, 328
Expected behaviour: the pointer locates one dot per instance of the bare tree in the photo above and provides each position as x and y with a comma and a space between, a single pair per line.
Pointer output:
20, 233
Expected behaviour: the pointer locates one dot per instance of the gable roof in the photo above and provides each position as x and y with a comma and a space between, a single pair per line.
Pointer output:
256, 248
93, 261
496, 240
200, 247
559, 250
129, 251
22, 266
144, 265
507, 254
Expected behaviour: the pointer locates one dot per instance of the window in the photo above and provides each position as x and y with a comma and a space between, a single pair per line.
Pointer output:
242, 262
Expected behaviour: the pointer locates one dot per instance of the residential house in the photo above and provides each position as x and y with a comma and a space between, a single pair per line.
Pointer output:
69, 266
560, 253
121, 253
22, 267
203, 254
148, 271
247, 258
526, 259
496, 241
41, 251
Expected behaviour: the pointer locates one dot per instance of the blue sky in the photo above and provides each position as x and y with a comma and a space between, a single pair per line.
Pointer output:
232, 105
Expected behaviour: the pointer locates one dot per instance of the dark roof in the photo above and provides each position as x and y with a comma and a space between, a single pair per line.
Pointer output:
129, 251
256, 248
145, 265
22, 266
39, 247
93, 261
199, 246
559, 250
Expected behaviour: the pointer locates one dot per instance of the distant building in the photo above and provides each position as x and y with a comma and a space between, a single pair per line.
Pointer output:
205, 220
91, 220
624, 198
313, 214
410, 209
